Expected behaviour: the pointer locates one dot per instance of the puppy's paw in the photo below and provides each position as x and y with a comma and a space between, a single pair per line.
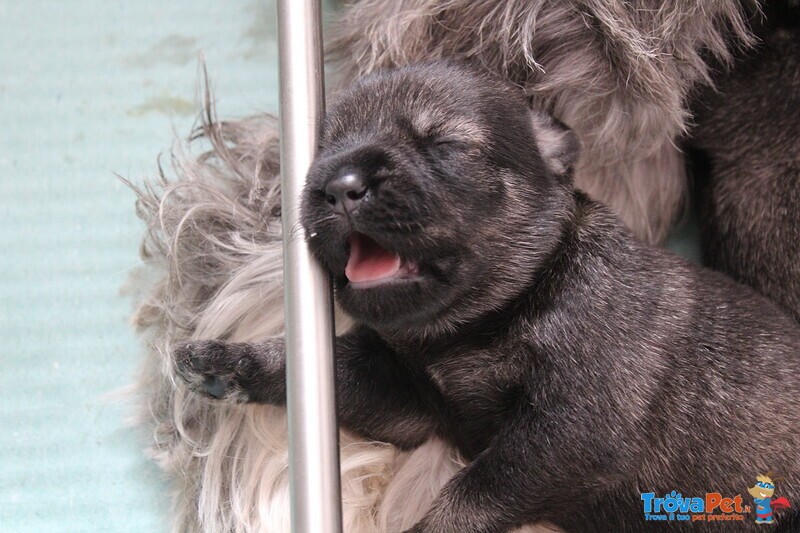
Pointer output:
212, 368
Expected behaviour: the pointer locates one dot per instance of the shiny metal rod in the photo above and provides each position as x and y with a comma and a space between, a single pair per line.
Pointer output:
311, 398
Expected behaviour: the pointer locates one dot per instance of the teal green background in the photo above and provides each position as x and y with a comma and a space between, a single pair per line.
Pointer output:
88, 89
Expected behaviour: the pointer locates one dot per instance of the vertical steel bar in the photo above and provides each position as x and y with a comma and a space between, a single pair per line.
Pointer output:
313, 433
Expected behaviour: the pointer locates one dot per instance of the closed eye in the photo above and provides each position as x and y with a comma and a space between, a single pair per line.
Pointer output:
449, 141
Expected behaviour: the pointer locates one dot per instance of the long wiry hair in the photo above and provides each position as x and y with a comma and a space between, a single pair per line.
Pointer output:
616, 71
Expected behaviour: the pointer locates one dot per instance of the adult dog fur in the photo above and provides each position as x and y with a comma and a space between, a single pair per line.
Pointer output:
521, 322
748, 153
618, 72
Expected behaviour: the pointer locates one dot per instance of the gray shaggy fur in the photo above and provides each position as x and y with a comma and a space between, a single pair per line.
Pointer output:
748, 153
616, 71
213, 247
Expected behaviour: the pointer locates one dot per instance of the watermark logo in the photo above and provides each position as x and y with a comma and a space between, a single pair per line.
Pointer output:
711, 507
762, 493
714, 507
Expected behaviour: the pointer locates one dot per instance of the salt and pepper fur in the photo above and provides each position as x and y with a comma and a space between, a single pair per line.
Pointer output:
213, 251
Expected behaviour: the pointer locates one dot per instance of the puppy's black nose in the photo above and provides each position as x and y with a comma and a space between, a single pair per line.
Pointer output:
345, 192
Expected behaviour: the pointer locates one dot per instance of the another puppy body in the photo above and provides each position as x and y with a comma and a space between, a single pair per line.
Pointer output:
748, 142
521, 322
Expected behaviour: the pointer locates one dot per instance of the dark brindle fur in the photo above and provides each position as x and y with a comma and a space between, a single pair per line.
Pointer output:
573, 366
747, 144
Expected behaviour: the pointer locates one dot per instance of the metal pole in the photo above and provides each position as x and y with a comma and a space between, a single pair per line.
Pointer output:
311, 398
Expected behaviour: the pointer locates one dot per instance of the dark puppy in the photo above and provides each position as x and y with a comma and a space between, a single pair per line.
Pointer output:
521, 321
747, 146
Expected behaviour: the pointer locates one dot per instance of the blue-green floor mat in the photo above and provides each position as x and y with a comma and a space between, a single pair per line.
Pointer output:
89, 89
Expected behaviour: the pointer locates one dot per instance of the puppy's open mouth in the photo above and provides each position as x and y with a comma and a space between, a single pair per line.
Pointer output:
371, 265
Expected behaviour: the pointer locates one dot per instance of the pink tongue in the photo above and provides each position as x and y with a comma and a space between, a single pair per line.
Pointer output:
368, 261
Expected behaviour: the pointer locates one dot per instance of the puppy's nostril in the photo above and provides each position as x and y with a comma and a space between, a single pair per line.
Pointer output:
330, 198
356, 195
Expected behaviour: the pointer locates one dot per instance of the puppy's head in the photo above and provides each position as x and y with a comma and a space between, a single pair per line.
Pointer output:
434, 193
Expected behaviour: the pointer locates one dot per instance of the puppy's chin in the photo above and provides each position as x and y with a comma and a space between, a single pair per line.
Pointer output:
405, 303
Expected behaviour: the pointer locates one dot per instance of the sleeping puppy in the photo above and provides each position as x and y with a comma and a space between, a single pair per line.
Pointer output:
521, 321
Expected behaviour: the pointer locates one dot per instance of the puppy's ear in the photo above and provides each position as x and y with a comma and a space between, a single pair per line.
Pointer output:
558, 145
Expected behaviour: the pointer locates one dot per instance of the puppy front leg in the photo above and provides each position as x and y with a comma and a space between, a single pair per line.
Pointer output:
240, 371
530, 472
480, 498
377, 396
